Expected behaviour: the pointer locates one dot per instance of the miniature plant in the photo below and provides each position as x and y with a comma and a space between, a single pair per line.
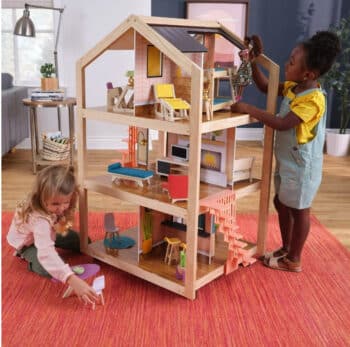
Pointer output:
47, 70
147, 225
130, 74
338, 77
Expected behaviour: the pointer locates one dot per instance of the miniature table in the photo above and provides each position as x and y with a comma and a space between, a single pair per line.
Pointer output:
33, 105
90, 270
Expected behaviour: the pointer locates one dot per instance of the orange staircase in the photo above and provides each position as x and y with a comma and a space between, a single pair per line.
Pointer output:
223, 206
129, 155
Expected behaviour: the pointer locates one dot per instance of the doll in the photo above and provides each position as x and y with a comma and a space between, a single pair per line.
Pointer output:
242, 77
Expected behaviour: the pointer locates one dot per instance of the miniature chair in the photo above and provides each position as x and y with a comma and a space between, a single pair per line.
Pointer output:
177, 187
171, 108
99, 284
111, 234
117, 99
172, 250
113, 241
85, 272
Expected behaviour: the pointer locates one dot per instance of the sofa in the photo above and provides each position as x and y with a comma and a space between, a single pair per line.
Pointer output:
14, 117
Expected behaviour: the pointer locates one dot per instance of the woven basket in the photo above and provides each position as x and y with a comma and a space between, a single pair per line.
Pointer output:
53, 150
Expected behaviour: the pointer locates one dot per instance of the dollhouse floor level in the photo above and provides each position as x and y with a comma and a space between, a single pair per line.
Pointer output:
221, 119
152, 268
153, 194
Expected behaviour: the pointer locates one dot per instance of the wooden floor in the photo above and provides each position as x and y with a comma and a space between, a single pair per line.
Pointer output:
331, 206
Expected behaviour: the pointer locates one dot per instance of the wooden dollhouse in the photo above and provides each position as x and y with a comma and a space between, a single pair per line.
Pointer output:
204, 223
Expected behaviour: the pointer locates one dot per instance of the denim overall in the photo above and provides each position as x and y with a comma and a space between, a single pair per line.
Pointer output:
298, 172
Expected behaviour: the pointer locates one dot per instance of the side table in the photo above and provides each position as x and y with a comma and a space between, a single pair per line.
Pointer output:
34, 136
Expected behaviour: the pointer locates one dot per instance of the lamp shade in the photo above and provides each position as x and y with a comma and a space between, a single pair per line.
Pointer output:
25, 26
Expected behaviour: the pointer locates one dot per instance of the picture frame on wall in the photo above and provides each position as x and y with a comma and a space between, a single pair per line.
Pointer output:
232, 13
154, 62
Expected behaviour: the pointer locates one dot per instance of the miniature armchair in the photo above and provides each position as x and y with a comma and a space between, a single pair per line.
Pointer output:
171, 108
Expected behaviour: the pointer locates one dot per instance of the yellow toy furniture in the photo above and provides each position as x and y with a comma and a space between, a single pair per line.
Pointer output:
171, 108
172, 250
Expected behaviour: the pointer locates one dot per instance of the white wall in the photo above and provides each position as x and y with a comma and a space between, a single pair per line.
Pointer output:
84, 24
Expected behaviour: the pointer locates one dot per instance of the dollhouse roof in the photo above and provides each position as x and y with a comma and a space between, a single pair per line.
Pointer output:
180, 38
173, 37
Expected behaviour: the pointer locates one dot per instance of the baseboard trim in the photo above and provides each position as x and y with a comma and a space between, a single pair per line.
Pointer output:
93, 142
249, 134
115, 142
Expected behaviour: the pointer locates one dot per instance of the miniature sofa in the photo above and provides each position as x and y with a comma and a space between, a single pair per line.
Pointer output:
129, 173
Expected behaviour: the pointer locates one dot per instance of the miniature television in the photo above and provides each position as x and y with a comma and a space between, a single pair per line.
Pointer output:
180, 152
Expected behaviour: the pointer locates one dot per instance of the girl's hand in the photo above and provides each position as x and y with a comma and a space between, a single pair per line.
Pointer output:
257, 46
82, 290
240, 107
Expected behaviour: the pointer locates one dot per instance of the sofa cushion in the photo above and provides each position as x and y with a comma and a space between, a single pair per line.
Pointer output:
6, 81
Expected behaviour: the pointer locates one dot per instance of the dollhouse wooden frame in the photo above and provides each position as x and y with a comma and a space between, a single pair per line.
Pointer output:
187, 70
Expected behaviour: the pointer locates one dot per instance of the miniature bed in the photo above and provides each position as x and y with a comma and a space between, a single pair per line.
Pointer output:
127, 173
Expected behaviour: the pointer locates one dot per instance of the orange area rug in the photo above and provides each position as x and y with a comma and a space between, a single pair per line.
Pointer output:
252, 306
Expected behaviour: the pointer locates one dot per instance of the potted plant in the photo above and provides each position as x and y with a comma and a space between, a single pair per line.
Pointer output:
338, 80
147, 232
47, 81
130, 75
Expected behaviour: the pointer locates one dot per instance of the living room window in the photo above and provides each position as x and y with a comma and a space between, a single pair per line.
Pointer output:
23, 56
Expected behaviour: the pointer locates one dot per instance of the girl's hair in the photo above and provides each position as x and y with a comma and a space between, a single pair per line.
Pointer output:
321, 51
52, 180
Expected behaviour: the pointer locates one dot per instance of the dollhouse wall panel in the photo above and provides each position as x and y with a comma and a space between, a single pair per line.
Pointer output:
143, 91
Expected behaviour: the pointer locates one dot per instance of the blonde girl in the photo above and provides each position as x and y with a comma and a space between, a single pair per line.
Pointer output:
41, 223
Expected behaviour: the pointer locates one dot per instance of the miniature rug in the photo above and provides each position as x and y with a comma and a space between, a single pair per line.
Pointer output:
253, 306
